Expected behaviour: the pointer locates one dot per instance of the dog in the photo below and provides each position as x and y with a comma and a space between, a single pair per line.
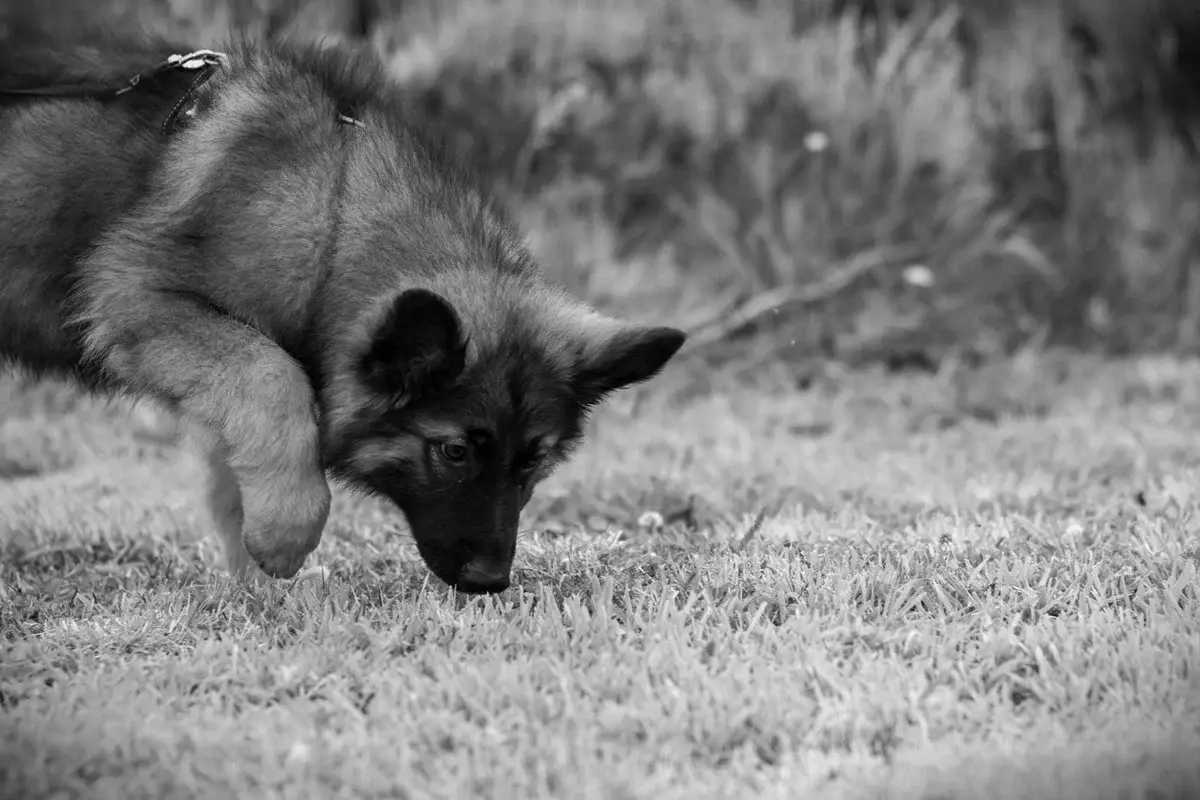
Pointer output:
261, 239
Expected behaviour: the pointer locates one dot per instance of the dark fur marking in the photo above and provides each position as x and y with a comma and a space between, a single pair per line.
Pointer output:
631, 356
416, 348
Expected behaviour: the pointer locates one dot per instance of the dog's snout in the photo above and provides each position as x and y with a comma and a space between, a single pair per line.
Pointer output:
480, 576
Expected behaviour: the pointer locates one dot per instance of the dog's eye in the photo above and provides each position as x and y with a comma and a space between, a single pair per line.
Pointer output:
529, 464
454, 452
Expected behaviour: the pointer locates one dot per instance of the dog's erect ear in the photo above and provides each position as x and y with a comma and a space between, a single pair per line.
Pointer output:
416, 347
623, 355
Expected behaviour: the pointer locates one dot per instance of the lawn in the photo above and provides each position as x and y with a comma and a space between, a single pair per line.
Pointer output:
978, 584
764, 579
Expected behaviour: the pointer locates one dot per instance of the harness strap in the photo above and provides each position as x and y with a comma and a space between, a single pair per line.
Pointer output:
205, 65
201, 62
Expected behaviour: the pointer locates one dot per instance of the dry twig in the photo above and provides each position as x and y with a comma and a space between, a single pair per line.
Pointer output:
721, 326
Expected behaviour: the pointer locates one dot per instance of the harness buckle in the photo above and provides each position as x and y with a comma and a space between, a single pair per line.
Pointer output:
196, 60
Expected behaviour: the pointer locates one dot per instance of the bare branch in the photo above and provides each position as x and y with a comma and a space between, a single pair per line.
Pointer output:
720, 327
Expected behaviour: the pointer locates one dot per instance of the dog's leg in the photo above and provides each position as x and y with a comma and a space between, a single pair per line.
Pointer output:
226, 377
225, 506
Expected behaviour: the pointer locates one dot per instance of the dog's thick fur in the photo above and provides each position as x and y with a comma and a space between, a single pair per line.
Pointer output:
302, 273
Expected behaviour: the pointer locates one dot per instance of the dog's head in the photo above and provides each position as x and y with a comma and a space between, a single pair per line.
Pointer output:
464, 401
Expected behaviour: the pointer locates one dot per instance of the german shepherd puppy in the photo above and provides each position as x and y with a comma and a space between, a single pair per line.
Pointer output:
286, 261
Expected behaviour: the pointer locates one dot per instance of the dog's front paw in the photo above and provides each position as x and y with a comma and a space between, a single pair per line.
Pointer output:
284, 524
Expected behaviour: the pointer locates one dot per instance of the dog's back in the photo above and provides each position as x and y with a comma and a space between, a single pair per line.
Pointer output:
69, 166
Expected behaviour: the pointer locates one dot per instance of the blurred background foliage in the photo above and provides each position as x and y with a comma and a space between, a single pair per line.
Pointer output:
895, 181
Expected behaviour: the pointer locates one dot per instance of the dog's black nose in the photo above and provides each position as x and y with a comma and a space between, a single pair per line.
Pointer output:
481, 578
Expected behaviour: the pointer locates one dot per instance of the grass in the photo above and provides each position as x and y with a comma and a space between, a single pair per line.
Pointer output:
781, 578
981, 585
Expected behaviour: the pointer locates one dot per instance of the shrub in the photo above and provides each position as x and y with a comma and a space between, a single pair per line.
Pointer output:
805, 156
860, 178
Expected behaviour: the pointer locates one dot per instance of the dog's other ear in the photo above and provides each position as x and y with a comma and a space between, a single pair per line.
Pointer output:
620, 356
416, 347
